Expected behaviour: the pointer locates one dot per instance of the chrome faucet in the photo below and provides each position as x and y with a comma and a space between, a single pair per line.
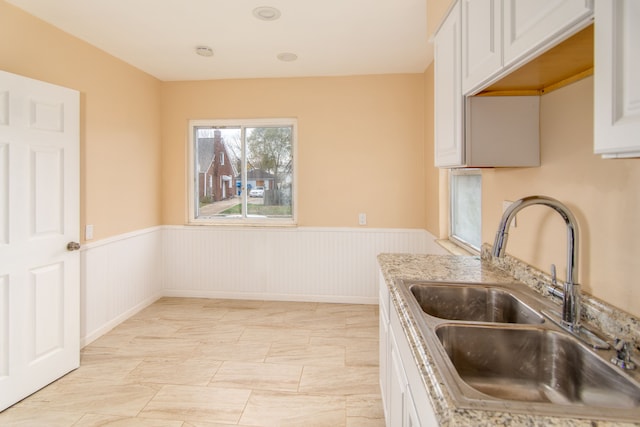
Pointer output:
571, 297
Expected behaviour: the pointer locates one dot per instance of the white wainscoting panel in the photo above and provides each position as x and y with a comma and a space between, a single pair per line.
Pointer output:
124, 274
302, 264
120, 276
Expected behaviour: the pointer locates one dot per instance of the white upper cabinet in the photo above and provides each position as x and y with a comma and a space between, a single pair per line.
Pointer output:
482, 41
617, 86
531, 26
479, 43
497, 132
448, 92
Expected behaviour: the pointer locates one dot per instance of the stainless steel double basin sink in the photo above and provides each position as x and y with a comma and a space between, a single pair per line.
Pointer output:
496, 351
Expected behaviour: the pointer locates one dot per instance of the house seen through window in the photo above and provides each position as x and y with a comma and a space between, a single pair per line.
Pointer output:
243, 171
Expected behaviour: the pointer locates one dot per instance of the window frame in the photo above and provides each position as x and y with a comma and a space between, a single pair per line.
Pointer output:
245, 220
452, 237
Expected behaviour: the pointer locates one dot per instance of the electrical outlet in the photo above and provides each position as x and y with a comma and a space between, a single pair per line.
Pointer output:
88, 232
362, 219
505, 206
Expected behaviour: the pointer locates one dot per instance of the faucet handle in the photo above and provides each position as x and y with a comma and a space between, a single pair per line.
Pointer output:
553, 287
623, 354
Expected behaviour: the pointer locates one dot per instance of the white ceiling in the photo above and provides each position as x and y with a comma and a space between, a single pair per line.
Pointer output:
330, 37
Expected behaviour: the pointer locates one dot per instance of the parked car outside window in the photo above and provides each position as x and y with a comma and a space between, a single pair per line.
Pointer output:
257, 192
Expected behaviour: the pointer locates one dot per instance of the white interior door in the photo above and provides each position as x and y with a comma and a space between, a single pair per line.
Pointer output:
39, 216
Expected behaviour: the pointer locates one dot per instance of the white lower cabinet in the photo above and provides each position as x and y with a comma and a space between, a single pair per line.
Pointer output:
384, 351
404, 396
411, 413
397, 387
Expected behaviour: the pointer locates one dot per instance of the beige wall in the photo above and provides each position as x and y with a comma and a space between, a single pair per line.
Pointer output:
604, 195
436, 9
360, 143
120, 127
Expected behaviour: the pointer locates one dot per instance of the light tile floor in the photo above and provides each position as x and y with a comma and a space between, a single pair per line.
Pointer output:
186, 362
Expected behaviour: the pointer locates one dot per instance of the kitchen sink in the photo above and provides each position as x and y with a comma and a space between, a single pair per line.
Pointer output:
535, 365
495, 351
472, 303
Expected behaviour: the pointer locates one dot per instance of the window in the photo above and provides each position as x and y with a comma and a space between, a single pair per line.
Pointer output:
466, 207
253, 180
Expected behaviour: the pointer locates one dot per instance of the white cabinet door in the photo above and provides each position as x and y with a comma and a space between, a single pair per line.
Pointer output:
617, 86
411, 418
532, 25
39, 216
448, 92
397, 386
384, 346
384, 366
481, 41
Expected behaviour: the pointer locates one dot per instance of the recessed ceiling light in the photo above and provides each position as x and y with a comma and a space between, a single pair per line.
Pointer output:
204, 51
287, 56
266, 13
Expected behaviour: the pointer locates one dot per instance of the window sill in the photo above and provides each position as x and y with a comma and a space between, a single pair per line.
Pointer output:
242, 224
454, 248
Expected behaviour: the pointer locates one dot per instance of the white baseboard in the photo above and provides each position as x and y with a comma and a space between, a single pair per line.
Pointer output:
106, 327
270, 297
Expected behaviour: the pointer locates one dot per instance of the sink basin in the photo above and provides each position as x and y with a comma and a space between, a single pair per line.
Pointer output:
473, 303
535, 366
495, 351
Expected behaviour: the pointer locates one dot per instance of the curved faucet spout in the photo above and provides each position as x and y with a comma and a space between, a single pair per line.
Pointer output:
571, 300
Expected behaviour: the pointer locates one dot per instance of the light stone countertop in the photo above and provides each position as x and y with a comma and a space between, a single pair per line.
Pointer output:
473, 269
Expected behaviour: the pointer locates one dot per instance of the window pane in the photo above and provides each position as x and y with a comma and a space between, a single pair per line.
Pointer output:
269, 171
243, 171
466, 207
218, 154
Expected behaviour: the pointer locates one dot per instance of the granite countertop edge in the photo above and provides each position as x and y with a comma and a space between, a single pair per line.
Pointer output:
459, 269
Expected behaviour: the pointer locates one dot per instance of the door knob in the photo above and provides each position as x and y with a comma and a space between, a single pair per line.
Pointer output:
73, 246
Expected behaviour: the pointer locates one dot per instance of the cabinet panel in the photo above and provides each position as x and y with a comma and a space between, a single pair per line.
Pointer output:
411, 418
397, 387
448, 92
417, 409
503, 131
481, 41
405, 400
617, 87
530, 25
384, 346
